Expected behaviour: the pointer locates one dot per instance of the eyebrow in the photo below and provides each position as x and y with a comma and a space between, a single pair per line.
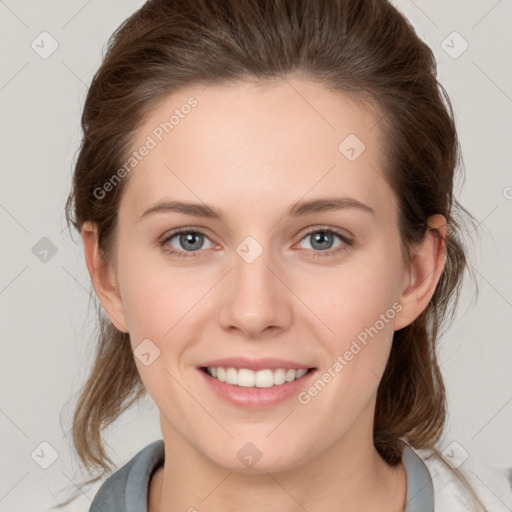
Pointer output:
298, 209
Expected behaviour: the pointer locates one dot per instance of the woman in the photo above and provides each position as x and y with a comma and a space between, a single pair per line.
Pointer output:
264, 193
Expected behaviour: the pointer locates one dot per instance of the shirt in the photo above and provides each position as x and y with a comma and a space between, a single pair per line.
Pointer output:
430, 484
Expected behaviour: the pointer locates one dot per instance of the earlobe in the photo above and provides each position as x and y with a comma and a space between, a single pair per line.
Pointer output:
426, 266
103, 277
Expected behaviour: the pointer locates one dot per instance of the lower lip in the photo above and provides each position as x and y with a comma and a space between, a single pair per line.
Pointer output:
255, 398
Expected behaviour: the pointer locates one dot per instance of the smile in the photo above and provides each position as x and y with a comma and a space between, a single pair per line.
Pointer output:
247, 378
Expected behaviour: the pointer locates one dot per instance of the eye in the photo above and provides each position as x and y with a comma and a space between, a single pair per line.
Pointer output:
321, 242
187, 241
183, 243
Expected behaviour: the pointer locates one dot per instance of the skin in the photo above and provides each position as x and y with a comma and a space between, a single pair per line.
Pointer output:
251, 151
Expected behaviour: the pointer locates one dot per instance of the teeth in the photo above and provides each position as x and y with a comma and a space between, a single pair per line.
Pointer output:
250, 379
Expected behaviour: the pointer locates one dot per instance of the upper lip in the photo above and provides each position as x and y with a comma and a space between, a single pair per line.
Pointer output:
255, 364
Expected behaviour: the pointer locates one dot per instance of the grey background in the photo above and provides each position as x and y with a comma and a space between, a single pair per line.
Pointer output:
46, 327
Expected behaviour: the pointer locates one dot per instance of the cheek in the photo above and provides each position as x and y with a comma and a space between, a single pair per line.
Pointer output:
157, 304
355, 299
359, 311
152, 300
163, 308
155, 296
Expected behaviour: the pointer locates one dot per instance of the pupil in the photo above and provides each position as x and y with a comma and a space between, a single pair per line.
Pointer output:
188, 237
321, 236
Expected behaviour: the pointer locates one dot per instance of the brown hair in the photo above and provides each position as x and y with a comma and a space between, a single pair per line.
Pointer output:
365, 48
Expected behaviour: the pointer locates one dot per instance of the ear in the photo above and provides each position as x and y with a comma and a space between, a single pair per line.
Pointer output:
427, 264
103, 277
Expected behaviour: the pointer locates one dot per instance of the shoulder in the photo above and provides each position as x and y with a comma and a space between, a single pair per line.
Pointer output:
127, 488
492, 485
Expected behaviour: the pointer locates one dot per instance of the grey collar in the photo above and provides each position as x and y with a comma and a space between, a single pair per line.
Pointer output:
420, 490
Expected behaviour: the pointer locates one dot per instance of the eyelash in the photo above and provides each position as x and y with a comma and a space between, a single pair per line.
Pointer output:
316, 254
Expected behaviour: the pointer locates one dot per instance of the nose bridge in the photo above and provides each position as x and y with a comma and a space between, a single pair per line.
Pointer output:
251, 270
257, 298
252, 262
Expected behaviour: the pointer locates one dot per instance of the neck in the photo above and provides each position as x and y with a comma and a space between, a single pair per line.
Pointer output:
348, 476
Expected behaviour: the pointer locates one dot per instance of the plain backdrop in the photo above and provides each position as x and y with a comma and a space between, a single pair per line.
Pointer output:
46, 327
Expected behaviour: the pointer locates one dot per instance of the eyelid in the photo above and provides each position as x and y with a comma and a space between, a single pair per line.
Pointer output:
343, 233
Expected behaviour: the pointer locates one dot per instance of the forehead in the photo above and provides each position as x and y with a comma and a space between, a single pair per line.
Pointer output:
246, 143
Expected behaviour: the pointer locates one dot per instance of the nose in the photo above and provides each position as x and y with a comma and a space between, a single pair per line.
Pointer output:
256, 300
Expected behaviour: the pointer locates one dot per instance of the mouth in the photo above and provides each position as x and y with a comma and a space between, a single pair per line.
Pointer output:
263, 378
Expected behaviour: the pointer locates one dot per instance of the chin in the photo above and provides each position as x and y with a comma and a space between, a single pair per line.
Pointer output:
258, 457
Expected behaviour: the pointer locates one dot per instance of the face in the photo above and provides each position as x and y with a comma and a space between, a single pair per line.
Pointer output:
270, 282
